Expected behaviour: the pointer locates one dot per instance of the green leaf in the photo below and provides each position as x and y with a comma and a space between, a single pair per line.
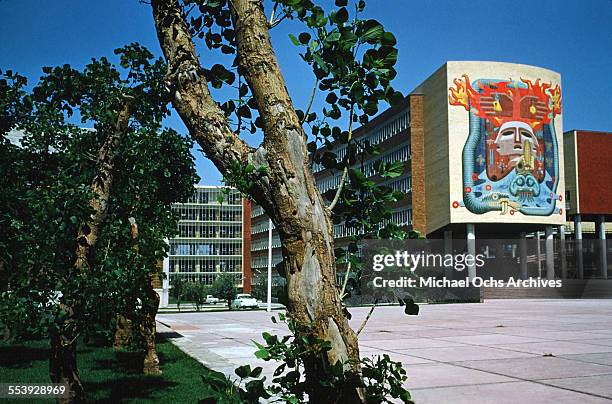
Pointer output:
333, 37
341, 15
373, 31
388, 39
244, 111
295, 41
262, 354
320, 63
256, 372
388, 55
304, 37
243, 371
331, 98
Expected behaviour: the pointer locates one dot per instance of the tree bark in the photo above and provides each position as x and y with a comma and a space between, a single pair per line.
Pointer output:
123, 332
148, 330
288, 193
150, 304
62, 361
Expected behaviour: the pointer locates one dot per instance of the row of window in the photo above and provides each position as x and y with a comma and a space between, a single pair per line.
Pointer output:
208, 212
192, 264
196, 247
260, 227
205, 278
400, 217
402, 154
257, 211
212, 196
403, 184
262, 261
262, 243
209, 230
374, 137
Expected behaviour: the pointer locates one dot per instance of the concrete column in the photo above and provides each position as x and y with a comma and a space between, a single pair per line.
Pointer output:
448, 249
603, 251
562, 252
578, 247
471, 247
539, 253
523, 252
164, 296
550, 253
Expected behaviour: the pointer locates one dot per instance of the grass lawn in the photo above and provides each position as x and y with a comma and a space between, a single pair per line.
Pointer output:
110, 376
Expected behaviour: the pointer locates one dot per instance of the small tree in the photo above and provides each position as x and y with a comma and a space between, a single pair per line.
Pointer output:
178, 289
64, 223
196, 292
224, 287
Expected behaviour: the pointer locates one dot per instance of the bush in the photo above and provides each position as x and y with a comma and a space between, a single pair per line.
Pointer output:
196, 292
224, 287
178, 289
381, 379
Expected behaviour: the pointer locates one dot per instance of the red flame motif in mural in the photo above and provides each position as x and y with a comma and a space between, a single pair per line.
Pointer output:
514, 114
534, 104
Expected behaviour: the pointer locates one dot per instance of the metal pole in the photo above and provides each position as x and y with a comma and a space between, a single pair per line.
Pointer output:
603, 253
578, 237
471, 247
269, 265
523, 252
562, 252
550, 253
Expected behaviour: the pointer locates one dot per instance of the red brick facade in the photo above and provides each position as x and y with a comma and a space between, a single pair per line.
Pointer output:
417, 138
594, 171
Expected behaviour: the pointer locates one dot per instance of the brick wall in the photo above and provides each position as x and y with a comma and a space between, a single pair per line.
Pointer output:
417, 137
594, 172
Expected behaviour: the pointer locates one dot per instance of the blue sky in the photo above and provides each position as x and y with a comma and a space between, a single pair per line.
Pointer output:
571, 37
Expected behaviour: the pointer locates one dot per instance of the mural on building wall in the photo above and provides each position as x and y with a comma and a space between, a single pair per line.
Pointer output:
510, 158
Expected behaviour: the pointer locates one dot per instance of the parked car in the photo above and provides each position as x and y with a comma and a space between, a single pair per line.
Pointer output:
243, 301
210, 299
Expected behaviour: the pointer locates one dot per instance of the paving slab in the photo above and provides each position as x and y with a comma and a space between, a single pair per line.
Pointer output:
540, 367
600, 385
490, 339
556, 348
463, 353
443, 375
602, 358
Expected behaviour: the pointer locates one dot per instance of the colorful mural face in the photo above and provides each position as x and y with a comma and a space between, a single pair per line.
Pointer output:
510, 158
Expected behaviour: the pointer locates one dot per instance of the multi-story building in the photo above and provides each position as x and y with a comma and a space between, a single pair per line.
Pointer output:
214, 238
483, 148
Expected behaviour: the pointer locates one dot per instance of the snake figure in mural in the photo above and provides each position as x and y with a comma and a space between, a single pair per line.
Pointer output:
510, 158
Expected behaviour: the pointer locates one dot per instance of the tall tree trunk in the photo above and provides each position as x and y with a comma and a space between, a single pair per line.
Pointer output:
62, 361
150, 304
148, 331
287, 193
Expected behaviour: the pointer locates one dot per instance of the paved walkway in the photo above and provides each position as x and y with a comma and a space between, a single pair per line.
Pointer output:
500, 351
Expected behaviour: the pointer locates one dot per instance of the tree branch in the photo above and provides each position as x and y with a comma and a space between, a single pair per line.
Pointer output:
190, 94
365, 321
346, 277
312, 96
334, 201
100, 187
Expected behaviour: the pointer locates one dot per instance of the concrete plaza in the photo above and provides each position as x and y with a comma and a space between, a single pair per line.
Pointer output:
500, 351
